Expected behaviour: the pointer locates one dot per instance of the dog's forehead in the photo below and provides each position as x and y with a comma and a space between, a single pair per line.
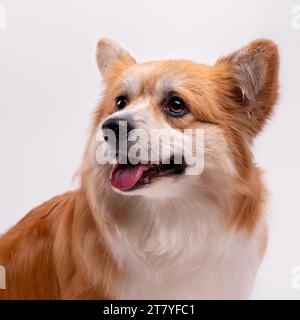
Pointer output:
151, 78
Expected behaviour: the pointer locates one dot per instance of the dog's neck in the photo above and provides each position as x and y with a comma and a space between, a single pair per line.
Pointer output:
141, 228
158, 241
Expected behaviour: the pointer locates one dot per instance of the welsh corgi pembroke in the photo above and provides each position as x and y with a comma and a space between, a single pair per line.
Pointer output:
171, 204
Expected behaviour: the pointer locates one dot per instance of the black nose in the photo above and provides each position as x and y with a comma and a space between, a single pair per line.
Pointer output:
119, 126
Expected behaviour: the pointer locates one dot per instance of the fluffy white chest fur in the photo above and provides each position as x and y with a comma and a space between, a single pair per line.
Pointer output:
177, 251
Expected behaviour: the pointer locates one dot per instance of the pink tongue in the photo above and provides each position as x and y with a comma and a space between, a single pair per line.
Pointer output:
124, 177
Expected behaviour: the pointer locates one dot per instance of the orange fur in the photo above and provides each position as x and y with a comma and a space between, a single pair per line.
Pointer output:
49, 253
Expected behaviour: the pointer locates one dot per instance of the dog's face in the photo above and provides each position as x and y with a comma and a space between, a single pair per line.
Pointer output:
166, 128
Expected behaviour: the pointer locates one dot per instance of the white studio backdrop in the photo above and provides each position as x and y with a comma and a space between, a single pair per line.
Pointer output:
49, 84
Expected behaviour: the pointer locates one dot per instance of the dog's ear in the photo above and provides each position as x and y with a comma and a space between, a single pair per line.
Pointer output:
254, 81
110, 53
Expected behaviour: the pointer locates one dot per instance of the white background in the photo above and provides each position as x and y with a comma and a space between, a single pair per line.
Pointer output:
49, 84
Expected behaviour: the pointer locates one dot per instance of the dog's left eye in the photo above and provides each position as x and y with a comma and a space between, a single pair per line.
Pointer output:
121, 102
175, 107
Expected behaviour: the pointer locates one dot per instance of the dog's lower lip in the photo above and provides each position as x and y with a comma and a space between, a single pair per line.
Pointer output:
127, 177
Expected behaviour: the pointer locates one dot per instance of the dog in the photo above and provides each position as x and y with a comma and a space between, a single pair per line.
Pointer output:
164, 229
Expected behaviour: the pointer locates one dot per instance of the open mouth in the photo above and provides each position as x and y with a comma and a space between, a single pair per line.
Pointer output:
127, 177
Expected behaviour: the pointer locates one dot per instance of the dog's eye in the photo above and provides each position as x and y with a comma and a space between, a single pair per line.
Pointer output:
121, 102
175, 107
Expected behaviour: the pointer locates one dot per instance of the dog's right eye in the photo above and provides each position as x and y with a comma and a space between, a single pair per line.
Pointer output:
121, 102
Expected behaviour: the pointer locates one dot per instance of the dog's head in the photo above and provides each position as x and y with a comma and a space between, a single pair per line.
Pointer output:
164, 127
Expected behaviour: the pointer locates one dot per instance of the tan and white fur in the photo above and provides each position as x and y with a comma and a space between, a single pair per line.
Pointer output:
197, 236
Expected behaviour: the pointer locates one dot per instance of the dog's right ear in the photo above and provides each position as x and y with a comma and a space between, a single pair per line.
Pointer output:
109, 54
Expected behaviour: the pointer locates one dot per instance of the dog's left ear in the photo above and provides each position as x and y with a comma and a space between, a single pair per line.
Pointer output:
253, 77
110, 53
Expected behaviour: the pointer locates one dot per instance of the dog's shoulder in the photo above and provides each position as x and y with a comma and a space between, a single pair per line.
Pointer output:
26, 250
